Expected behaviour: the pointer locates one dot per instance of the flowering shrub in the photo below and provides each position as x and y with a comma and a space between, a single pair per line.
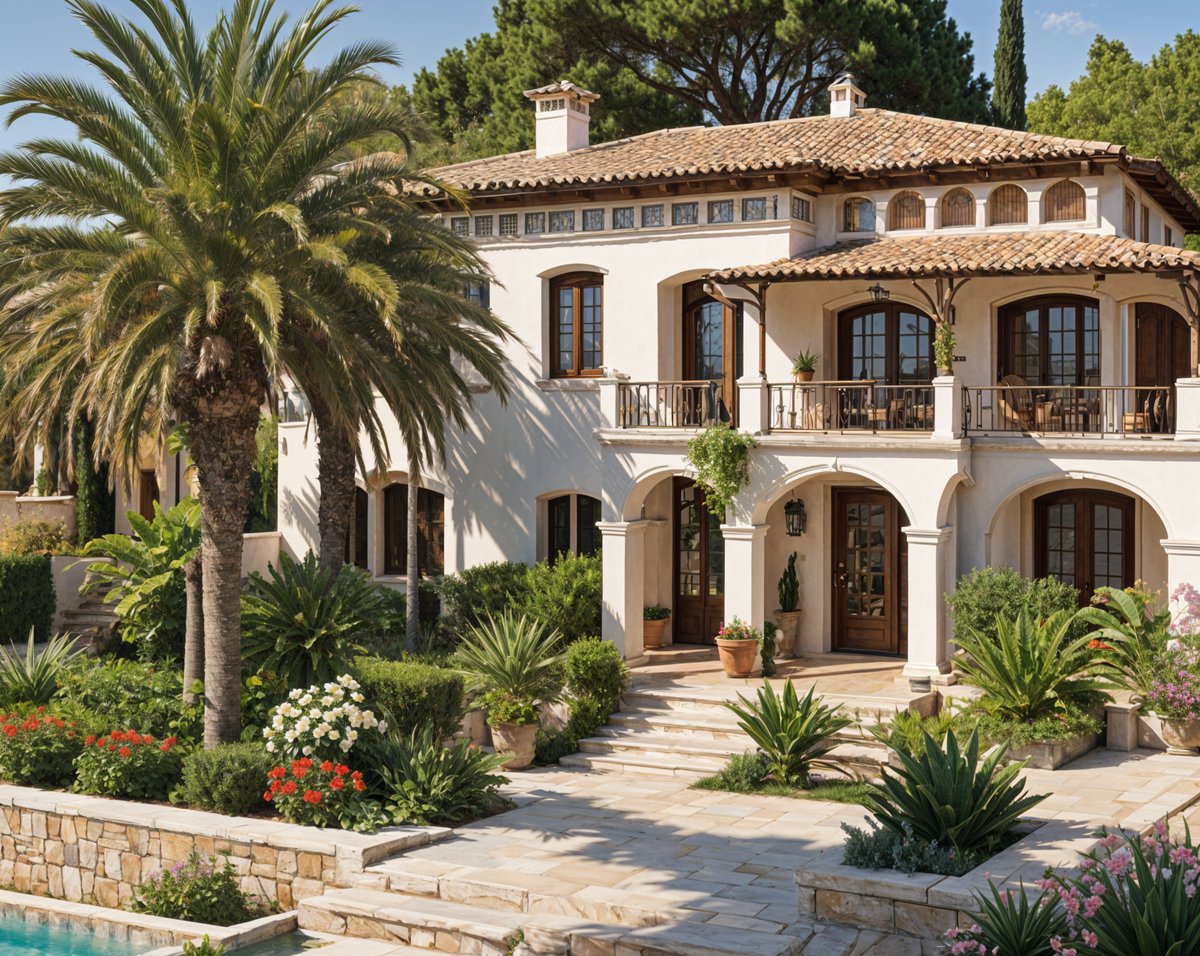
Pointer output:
39, 749
202, 891
1174, 691
1132, 894
1186, 619
322, 721
124, 763
739, 630
323, 795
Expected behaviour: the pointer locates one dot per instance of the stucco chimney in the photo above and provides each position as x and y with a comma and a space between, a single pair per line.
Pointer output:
845, 96
563, 113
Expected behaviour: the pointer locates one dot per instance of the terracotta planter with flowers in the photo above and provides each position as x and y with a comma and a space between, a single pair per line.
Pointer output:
654, 625
1181, 734
738, 648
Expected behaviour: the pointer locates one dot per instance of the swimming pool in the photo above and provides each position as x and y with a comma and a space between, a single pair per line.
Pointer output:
19, 937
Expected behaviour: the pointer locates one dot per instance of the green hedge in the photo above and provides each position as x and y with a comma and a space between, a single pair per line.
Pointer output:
230, 778
26, 597
411, 695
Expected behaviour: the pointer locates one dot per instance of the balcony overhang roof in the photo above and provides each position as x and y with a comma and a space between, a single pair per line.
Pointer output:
971, 256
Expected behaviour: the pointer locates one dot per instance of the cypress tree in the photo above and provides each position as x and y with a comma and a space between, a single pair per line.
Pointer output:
1008, 90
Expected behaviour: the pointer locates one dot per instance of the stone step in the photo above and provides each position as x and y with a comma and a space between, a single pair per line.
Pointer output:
659, 765
681, 654
704, 725
661, 699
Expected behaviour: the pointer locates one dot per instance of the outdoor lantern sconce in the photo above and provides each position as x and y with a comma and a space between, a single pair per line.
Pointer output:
795, 518
879, 293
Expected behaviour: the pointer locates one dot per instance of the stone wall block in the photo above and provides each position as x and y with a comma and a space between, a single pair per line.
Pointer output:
855, 909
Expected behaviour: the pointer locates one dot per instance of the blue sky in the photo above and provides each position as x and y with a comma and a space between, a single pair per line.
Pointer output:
38, 34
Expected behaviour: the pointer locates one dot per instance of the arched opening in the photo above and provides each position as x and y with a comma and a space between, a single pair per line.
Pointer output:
1008, 205
858, 215
577, 325
1051, 340
712, 352
1085, 538
356, 532
431, 530
957, 209
568, 521
1065, 201
698, 566
906, 210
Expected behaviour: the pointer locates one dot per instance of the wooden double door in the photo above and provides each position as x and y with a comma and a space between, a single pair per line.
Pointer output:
712, 348
870, 572
1162, 354
1084, 538
699, 567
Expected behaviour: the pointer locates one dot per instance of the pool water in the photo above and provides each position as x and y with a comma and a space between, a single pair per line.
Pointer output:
291, 944
21, 938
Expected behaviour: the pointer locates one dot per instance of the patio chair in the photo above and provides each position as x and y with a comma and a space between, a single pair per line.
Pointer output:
1015, 402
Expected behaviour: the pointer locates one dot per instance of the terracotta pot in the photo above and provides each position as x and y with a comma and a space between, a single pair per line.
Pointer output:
737, 657
652, 632
515, 739
1182, 735
806, 376
788, 637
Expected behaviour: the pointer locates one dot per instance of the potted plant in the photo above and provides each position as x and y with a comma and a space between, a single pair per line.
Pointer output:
654, 623
943, 348
737, 646
804, 365
1173, 696
787, 616
514, 723
515, 665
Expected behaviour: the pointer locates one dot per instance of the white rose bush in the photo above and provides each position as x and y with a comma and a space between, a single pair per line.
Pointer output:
322, 720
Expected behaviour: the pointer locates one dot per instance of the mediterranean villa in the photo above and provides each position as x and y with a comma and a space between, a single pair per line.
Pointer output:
663, 283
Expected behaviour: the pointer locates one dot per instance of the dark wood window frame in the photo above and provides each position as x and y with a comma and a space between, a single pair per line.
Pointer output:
949, 209
906, 210
892, 312
1084, 500
571, 525
1064, 201
732, 333
577, 282
356, 531
1007, 351
1008, 205
431, 530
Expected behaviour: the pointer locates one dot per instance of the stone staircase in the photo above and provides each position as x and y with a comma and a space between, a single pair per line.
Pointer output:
93, 620
687, 731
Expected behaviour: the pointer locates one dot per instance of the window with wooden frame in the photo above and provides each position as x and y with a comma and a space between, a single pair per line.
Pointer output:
1085, 538
1065, 201
1053, 340
890, 343
1145, 223
957, 209
431, 531
1168, 235
1008, 205
1130, 214
577, 325
906, 211
858, 215
356, 532
571, 526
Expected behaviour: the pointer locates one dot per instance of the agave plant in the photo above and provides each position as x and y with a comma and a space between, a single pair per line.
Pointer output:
1033, 668
428, 784
34, 678
793, 733
1015, 923
945, 796
515, 657
301, 620
1128, 633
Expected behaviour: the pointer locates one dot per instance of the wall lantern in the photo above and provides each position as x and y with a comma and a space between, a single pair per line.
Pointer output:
795, 518
879, 293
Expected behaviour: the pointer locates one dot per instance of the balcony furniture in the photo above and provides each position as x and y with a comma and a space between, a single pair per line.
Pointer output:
1015, 402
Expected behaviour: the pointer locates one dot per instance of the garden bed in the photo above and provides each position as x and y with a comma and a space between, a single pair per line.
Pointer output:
1052, 754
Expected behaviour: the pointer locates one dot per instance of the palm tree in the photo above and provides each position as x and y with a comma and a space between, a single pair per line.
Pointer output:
205, 194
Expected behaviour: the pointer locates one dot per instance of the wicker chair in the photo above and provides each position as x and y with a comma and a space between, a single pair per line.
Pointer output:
1015, 402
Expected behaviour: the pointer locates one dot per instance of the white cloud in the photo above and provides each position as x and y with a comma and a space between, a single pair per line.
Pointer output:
1069, 21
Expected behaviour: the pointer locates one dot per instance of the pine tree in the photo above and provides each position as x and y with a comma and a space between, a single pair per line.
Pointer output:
1008, 91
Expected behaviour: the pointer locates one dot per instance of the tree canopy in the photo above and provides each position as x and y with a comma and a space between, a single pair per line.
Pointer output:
1010, 75
1149, 107
661, 63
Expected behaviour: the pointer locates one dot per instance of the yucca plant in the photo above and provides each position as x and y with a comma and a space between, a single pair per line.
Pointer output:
945, 796
1015, 923
516, 657
33, 678
1033, 668
794, 733
301, 620
1128, 633
427, 784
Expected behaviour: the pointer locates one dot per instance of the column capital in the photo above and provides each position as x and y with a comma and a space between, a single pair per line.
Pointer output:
622, 529
1181, 546
927, 535
733, 532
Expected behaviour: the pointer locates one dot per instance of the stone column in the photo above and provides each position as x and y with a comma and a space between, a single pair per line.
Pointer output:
928, 550
623, 554
610, 397
1187, 409
947, 407
745, 567
754, 397
1183, 562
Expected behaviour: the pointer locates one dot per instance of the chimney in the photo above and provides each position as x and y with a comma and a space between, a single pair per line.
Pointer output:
845, 97
563, 113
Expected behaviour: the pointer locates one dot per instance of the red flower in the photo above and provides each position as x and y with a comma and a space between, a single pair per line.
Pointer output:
327, 766
288, 788
357, 775
312, 796
299, 772
147, 739
267, 796
164, 747
337, 783
274, 788
170, 741
112, 747
125, 751
10, 730
276, 773
341, 770
359, 785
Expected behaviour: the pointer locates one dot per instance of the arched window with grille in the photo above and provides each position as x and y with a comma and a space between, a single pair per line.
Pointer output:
1008, 205
858, 215
957, 209
1065, 201
906, 211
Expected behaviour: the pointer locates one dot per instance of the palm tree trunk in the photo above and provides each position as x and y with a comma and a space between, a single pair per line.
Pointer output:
193, 639
335, 478
412, 583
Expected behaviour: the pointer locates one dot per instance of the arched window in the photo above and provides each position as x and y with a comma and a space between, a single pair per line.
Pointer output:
577, 325
1064, 202
858, 215
431, 530
356, 533
1054, 340
1008, 204
957, 208
906, 210
890, 343
571, 526
1085, 539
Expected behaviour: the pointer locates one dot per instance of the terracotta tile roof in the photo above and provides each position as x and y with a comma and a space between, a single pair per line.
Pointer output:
871, 141
985, 254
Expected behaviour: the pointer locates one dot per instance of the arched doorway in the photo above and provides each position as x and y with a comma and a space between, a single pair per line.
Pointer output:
1085, 538
888, 342
870, 572
712, 347
698, 565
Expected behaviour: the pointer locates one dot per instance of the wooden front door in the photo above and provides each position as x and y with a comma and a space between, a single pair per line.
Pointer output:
712, 348
869, 572
699, 568
1161, 355
1084, 539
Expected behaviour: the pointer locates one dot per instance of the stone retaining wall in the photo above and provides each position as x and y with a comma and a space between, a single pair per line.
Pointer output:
95, 850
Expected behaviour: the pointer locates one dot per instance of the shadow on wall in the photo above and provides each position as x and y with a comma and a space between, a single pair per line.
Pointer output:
299, 510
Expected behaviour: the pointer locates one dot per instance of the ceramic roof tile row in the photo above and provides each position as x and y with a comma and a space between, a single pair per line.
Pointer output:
987, 254
871, 141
